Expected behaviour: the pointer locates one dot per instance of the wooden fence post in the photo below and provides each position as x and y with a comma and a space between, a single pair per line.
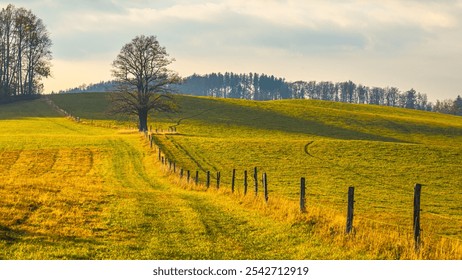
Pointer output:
218, 179
152, 140
255, 177
265, 186
197, 177
350, 212
245, 182
416, 225
233, 180
208, 179
174, 167
160, 152
181, 173
302, 195
188, 176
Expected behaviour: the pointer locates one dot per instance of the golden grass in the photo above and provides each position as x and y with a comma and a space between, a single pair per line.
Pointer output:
370, 239
82, 191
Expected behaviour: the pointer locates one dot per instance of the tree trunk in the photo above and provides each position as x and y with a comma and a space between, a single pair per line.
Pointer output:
143, 120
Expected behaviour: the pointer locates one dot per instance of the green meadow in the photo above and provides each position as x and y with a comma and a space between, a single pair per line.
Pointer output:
96, 190
383, 152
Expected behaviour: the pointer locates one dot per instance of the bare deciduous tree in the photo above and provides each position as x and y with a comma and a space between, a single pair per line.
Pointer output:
143, 79
25, 53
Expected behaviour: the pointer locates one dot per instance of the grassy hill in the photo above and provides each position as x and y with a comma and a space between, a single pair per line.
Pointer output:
75, 191
381, 151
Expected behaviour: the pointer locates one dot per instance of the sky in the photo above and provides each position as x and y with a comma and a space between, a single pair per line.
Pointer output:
402, 43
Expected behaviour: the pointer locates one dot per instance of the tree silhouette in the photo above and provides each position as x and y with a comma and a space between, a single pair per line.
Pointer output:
25, 53
143, 79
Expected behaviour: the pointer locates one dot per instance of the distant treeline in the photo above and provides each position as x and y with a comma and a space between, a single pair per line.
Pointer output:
265, 87
103, 86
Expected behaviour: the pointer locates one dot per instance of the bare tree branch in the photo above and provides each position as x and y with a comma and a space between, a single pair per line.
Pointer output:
143, 79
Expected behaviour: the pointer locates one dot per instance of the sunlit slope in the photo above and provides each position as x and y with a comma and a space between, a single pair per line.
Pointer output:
74, 191
382, 151
318, 119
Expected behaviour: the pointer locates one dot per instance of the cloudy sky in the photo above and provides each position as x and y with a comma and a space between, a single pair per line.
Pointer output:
403, 43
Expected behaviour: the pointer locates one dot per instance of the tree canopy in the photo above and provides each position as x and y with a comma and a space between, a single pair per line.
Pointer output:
143, 79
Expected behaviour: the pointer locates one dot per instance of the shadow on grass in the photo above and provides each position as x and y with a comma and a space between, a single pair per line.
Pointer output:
218, 112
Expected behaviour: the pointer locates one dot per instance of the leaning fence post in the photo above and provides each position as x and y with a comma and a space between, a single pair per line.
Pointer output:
233, 180
255, 176
265, 186
416, 225
245, 182
302, 195
350, 214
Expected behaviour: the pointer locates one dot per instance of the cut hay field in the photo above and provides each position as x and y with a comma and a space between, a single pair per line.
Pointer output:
133, 210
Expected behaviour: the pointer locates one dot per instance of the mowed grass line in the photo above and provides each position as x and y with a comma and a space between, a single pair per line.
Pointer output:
80, 192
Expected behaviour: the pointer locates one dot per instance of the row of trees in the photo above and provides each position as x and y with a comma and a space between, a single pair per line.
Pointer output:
263, 87
230, 85
103, 86
449, 106
25, 53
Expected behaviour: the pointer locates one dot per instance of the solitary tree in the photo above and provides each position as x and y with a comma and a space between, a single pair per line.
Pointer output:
143, 79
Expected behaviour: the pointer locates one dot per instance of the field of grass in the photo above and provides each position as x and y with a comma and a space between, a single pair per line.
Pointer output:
381, 151
75, 191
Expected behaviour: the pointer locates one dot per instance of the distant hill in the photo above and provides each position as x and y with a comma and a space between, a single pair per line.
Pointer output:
255, 86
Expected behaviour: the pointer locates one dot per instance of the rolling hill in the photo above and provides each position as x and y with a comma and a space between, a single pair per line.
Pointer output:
382, 151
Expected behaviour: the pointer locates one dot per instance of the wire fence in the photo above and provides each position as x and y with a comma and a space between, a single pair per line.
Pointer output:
253, 182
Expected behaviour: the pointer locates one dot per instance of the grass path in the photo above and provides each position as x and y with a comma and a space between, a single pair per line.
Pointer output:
169, 222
